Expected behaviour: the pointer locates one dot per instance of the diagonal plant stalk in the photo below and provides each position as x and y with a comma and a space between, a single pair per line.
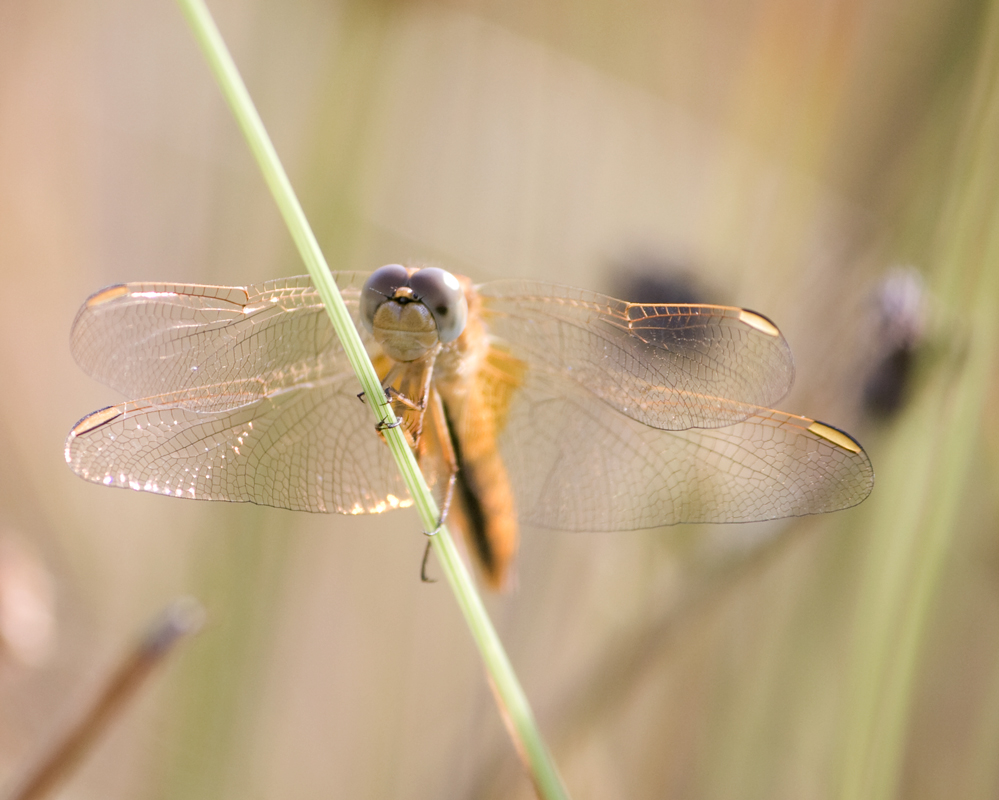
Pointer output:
933, 455
514, 708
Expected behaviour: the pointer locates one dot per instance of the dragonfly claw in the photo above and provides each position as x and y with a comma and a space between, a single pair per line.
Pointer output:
363, 396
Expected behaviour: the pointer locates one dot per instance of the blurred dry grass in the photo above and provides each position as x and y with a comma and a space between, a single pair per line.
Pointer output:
791, 152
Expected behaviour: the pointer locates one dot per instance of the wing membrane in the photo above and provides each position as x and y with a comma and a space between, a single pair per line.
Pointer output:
311, 448
150, 339
668, 366
579, 465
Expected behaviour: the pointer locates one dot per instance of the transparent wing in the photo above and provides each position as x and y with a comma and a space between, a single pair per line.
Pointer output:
150, 339
668, 366
251, 400
311, 448
580, 465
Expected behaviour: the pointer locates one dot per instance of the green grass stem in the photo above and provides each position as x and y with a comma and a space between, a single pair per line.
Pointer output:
928, 468
514, 707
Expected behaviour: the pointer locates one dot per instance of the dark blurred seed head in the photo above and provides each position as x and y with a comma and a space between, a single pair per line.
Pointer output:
647, 278
900, 321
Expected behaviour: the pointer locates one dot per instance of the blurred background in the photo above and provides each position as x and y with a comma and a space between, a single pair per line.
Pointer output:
829, 164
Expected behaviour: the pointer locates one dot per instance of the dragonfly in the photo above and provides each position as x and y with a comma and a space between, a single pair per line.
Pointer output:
526, 403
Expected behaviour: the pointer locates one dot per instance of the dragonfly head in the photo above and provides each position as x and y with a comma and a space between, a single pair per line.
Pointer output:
411, 311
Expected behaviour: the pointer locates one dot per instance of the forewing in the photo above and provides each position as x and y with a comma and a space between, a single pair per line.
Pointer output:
580, 465
148, 339
668, 366
312, 448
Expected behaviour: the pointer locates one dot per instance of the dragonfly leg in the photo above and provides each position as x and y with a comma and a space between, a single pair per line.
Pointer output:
393, 394
423, 566
445, 505
412, 429
450, 458
413, 382
403, 406
390, 375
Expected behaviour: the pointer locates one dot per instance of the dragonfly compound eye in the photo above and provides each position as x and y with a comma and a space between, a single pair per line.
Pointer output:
380, 286
442, 294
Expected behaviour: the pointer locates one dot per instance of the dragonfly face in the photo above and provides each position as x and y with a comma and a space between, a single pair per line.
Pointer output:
536, 403
410, 310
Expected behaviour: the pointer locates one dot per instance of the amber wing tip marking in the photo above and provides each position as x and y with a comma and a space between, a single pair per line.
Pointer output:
95, 420
835, 436
107, 295
758, 321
